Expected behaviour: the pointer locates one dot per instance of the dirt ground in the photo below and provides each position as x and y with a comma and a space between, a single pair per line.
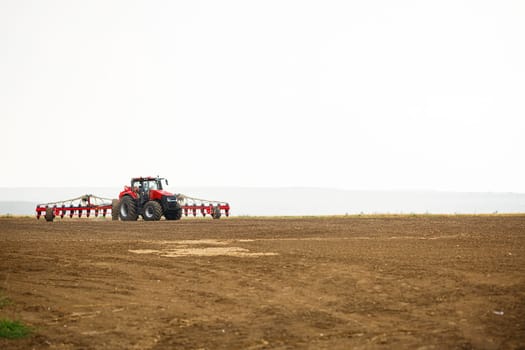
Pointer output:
418, 282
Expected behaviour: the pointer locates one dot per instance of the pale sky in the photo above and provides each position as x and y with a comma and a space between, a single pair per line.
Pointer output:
386, 95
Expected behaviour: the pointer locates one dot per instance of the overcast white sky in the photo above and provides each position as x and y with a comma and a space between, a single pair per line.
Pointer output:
342, 94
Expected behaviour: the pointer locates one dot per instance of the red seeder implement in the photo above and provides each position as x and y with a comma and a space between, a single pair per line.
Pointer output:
196, 206
75, 207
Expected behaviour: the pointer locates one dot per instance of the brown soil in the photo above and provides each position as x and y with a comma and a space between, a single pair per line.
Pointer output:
418, 282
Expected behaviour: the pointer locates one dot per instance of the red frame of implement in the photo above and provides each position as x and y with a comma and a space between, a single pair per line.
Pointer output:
74, 211
205, 209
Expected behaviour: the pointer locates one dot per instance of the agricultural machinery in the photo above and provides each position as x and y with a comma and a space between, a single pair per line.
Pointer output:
76, 206
145, 197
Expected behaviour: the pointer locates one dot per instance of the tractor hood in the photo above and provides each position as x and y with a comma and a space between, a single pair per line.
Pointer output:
158, 194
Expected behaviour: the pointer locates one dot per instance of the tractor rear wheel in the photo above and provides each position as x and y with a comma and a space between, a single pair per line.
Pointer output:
152, 211
128, 209
50, 214
114, 209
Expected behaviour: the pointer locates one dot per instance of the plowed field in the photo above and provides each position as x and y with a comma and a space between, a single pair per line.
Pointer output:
418, 282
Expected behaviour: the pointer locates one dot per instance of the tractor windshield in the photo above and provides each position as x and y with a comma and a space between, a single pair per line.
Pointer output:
153, 184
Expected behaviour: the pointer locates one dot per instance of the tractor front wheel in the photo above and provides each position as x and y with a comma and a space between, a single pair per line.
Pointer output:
152, 211
128, 209
173, 214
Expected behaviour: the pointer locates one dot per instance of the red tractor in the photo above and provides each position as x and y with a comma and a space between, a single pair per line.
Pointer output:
146, 197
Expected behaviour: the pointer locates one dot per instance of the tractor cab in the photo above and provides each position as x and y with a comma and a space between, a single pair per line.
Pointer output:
142, 186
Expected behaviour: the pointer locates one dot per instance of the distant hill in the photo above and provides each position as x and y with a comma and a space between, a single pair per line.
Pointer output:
295, 201
17, 208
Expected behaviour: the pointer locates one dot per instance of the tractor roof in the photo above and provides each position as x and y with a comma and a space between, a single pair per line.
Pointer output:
146, 178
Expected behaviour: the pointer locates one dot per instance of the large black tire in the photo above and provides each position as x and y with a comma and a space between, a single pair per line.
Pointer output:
128, 209
174, 214
152, 211
50, 214
114, 209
